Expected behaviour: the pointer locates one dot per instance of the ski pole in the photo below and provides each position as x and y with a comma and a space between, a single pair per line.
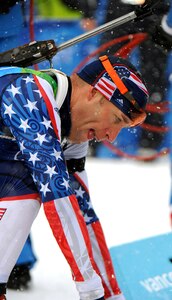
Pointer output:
38, 51
142, 11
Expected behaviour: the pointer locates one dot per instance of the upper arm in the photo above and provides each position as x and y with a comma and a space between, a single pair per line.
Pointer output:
35, 123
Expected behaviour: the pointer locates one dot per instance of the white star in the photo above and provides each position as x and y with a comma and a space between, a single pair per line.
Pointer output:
14, 90
8, 110
79, 193
87, 219
33, 158
50, 171
41, 138
46, 123
24, 124
57, 154
31, 105
28, 79
89, 205
65, 183
44, 188
22, 147
38, 91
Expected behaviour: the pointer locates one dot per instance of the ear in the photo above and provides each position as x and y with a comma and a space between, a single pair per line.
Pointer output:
92, 93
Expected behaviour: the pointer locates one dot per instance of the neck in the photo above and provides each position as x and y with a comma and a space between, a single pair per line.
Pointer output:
65, 113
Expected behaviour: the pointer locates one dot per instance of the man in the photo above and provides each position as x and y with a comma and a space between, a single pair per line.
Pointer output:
45, 115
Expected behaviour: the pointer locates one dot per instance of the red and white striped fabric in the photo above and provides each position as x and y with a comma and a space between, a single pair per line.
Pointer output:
106, 87
2, 212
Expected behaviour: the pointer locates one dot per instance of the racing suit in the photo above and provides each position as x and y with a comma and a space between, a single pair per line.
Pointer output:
35, 159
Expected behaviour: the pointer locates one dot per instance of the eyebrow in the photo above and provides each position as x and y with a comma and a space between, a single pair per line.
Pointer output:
125, 119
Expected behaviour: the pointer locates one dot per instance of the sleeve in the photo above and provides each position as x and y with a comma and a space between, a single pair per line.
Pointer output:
79, 183
100, 249
75, 156
35, 124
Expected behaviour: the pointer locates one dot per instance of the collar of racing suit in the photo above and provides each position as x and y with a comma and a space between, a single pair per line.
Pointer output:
63, 99
65, 114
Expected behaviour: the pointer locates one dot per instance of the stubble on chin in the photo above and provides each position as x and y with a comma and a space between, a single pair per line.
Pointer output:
76, 137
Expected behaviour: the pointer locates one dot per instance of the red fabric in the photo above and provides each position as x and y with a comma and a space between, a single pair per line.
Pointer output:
106, 259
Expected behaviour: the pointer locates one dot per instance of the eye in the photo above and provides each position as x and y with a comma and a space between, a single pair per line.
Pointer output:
117, 120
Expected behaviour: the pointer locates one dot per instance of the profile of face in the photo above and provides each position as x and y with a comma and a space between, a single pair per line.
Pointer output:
94, 117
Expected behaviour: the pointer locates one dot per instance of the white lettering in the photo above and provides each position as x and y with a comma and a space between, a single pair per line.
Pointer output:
145, 284
158, 282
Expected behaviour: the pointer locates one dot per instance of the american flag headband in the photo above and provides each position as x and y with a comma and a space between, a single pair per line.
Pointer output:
118, 82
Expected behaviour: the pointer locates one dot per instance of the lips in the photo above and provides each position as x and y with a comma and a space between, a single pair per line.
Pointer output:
91, 134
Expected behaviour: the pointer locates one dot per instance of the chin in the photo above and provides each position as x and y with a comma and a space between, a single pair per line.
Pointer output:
78, 138
75, 140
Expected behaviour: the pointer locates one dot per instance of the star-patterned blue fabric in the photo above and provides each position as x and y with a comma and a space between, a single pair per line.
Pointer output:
84, 201
24, 111
17, 182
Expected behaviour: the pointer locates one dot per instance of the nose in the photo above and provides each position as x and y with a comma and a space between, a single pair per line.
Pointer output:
112, 135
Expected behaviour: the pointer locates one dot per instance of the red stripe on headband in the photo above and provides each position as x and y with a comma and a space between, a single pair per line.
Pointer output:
108, 84
102, 87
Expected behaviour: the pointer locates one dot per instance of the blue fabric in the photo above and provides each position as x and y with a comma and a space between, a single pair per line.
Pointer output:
84, 201
26, 124
15, 179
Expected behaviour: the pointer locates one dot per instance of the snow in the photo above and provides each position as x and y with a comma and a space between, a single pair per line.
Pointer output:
131, 199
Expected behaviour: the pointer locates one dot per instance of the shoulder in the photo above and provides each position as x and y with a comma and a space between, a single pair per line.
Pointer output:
43, 77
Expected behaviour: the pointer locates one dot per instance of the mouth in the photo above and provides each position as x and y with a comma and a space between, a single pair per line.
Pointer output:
91, 134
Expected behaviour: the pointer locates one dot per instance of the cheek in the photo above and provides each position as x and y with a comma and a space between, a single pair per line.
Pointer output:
108, 121
106, 118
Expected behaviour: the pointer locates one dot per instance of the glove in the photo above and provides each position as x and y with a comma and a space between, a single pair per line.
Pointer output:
162, 36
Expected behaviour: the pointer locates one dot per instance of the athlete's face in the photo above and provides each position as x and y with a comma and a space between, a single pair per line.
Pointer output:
97, 118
